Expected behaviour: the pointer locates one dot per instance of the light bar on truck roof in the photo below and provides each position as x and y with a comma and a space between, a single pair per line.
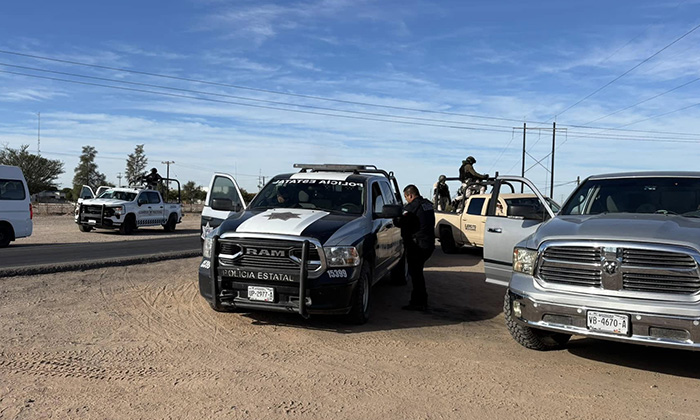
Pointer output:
334, 167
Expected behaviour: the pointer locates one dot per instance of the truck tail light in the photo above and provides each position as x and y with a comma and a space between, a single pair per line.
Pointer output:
31, 211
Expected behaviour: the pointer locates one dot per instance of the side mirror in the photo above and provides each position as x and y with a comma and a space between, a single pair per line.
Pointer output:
223, 204
389, 211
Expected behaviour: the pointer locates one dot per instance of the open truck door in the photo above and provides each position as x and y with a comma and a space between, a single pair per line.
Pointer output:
224, 190
503, 232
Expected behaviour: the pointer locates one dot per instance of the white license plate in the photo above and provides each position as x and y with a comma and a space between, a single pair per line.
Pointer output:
263, 294
607, 322
92, 222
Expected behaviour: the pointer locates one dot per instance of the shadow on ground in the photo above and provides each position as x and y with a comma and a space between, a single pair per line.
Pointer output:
457, 293
654, 359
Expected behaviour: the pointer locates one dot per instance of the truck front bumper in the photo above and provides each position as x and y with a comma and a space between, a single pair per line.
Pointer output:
651, 323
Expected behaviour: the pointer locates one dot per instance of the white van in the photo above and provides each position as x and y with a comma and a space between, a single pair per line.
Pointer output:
15, 206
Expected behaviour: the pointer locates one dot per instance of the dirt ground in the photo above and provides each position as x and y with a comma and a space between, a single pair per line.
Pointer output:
139, 342
62, 229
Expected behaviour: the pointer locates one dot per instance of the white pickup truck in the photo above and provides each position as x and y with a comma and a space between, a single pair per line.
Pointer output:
127, 209
465, 225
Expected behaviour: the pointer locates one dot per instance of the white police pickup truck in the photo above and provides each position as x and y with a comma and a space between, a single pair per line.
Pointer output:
128, 209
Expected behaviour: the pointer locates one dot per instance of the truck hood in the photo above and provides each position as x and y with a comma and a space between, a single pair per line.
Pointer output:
316, 224
107, 201
670, 229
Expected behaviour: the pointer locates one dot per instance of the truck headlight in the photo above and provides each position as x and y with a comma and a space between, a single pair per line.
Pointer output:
524, 260
119, 210
206, 248
342, 256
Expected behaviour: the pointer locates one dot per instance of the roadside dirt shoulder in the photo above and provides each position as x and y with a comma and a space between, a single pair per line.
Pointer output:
139, 342
63, 229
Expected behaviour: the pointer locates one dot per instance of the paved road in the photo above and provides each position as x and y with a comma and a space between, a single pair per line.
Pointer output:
60, 254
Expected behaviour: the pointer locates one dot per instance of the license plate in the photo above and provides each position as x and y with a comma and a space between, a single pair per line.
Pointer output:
92, 222
607, 322
262, 294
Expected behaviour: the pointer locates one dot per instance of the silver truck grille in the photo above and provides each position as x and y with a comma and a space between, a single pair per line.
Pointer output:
266, 254
620, 267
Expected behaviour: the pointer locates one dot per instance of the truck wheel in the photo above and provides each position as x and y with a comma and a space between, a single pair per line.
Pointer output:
169, 226
447, 241
359, 314
532, 338
84, 228
5, 235
129, 225
398, 273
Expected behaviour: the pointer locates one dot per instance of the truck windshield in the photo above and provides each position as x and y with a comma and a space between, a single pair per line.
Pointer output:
318, 194
661, 195
118, 195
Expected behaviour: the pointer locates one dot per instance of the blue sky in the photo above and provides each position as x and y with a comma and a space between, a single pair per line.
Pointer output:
411, 79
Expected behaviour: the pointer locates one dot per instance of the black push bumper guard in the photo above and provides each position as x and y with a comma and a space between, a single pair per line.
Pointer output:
303, 280
100, 220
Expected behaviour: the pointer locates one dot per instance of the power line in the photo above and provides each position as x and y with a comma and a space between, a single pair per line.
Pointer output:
644, 101
278, 102
245, 98
253, 105
206, 82
630, 70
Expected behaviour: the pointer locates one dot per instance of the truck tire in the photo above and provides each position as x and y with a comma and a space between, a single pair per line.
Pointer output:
6, 235
84, 228
169, 226
532, 338
129, 225
359, 313
447, 241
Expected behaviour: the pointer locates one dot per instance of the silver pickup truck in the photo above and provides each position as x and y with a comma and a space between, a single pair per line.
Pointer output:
618, 262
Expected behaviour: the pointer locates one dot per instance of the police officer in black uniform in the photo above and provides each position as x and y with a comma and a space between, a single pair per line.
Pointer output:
417, 230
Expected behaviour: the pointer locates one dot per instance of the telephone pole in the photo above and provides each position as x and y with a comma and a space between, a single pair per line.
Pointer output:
167, 163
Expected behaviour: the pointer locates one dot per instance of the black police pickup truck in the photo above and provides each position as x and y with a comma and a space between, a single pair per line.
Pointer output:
311, 242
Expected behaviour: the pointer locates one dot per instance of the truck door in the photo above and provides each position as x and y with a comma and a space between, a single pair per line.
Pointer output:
382, 229
157, 208
394, 231
222, 186
503, 232
473, 221
143, 211
86, 193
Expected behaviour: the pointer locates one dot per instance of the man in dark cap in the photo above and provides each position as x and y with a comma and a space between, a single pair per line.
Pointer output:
417, 230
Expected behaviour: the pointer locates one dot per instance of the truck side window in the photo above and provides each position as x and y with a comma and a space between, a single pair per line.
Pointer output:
388, 196
143, 198
475, 206
153, 197
223, 188
377, 200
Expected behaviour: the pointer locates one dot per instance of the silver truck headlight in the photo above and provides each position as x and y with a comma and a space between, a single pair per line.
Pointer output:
342, 256
206, 247
524, 260
119, 210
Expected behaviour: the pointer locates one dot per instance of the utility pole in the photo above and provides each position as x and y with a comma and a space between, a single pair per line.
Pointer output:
119, 177
167, 163
522, 172
38, 134
554, 135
